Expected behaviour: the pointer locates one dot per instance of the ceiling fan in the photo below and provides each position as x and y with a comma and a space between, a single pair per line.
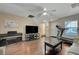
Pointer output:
46, 12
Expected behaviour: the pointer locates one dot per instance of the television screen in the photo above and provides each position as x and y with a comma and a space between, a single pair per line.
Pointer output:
31, 29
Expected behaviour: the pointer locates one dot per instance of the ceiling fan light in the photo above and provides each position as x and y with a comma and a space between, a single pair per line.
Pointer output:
45, 13
45, 9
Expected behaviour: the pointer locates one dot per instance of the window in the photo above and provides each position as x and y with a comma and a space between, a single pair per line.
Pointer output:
72, 27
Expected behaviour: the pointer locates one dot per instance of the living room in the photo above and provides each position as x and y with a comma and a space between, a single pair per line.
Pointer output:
29, 29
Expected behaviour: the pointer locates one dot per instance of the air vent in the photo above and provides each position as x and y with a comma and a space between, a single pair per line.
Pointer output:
74, 5
30, 16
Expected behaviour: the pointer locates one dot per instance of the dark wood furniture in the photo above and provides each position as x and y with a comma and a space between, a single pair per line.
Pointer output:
10, 38
53, 44
54, 50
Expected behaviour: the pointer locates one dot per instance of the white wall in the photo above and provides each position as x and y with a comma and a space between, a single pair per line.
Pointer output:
21, 21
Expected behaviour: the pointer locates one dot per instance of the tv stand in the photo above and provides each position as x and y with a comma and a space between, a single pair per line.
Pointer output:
32, 36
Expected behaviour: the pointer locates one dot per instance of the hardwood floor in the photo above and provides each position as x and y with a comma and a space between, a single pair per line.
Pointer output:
34, 47
65, 48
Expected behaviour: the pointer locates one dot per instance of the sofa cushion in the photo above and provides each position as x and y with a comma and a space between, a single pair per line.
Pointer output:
11, 33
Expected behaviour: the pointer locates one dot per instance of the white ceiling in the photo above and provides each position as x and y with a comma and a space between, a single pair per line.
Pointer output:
24, 9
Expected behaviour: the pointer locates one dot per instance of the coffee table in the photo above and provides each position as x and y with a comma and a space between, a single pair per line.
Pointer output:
53, 43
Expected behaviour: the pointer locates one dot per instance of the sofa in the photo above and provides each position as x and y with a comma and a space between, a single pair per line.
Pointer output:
10, 37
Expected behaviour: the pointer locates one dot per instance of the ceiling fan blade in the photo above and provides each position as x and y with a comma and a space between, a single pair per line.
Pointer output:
52, 10
39, 14
49, 14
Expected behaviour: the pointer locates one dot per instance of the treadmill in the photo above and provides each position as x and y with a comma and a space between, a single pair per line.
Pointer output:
60, 32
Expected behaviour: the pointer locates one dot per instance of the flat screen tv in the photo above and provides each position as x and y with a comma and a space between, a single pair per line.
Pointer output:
31, 29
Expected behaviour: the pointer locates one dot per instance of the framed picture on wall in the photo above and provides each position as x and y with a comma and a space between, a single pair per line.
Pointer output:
10, 24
